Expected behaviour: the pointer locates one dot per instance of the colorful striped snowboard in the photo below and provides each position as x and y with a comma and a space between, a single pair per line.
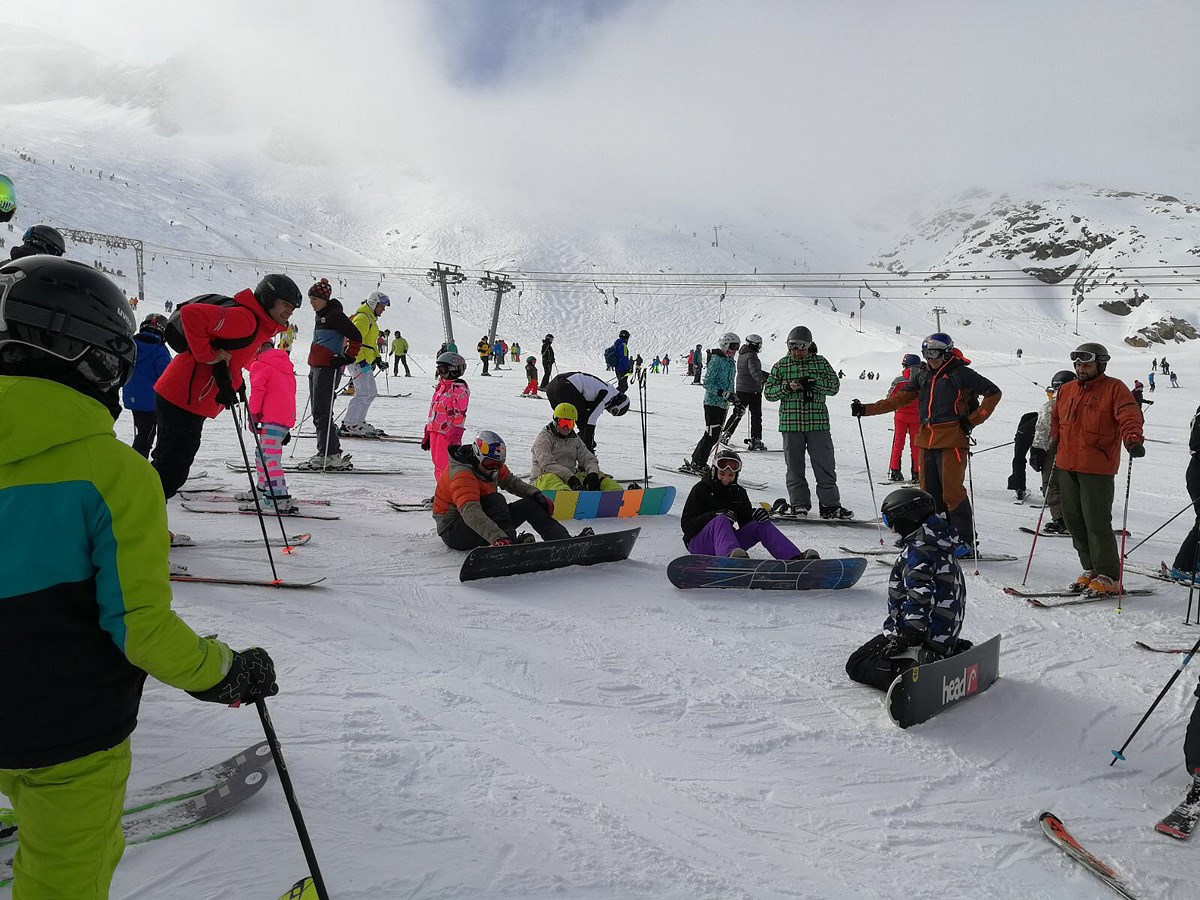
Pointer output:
655, 501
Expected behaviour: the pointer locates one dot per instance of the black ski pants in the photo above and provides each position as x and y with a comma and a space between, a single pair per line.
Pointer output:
322, 385
1021, 447
714, 418
1187, 557
145, 427
869, 665
1191, 742
179, 434
753, 403
547, 365
622, 382
509, 516
396, 362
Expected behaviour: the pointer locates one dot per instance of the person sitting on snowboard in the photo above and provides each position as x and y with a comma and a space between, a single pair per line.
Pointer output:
469, 509
926, 594
718, 519
562, 462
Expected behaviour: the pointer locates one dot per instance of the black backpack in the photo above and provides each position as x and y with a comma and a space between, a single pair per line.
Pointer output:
174, 332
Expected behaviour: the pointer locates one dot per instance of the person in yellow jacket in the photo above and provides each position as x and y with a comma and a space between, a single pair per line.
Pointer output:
362, 373
400, 355
85, 592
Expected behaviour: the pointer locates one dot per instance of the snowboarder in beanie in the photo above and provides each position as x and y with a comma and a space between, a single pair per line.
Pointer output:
926, 594
85, 604
718, 519
222, 334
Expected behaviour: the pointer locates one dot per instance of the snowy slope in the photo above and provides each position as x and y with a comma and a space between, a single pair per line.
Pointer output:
597, 733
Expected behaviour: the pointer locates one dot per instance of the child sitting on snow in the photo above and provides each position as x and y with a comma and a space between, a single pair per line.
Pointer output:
926, 594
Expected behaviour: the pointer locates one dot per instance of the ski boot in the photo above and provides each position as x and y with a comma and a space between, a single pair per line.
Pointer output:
1102, 584
895, 475
633, 486
1055, 526
738, 553
1081, 584
836, 512
1021, 495
807, 554
318, 463
1178, 574
690, 468
915, 477
586, 531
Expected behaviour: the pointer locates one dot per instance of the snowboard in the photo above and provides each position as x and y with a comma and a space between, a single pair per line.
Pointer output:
254, 757
755, 485
248, 582
695, 571
304, 889
655, 501
924, 691
519, 559
1056, 832
182, 541
221, 508
163, 821
814, 519
355, 470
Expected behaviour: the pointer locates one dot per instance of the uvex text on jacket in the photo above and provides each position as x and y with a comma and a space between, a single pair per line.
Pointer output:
188, 381
85, 600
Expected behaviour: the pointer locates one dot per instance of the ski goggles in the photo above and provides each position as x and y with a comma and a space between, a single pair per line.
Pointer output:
799, 345
728, 464
490, 464
933, 353
1086, 356
566, 423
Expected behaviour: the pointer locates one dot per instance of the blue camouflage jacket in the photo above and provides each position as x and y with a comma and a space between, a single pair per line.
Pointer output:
926, 589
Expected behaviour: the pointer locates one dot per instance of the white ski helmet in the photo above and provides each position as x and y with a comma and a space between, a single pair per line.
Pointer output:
753, 341
728, 341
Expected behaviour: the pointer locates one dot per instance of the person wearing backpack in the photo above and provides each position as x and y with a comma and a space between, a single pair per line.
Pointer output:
137, 396
218, 336
621, 361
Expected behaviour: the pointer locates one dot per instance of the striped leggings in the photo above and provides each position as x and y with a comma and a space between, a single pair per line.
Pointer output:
270, 469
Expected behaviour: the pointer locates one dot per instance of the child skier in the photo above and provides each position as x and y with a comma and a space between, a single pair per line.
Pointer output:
531, 373
562, 462
272, 416
718, 519
447, 411
906, 422
138, 395
85, 602
926, 594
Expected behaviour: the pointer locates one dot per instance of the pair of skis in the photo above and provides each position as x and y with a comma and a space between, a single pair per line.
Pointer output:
1050, 599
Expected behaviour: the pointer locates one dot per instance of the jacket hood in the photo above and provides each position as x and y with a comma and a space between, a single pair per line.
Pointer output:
276, 359
149, 336
36, 414
958, 354
934, 532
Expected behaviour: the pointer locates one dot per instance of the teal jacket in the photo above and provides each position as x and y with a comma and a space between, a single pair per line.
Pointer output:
718, 378
85, 596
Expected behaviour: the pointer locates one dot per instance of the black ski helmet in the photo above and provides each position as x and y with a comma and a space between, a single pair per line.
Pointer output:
799, 338
277, 287
624, 335
732, 457
1090, 351
154, 322
1060, 378
910, 360
40, 239
904, 510
548, 338
65, 321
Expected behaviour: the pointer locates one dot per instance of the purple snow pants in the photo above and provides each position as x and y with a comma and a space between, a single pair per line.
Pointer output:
719, 538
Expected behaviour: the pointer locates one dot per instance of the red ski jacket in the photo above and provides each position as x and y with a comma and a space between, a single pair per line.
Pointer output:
188, 381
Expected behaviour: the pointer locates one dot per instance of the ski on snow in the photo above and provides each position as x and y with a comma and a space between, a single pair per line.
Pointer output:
246, 582
218, 506
1050, 599
893, 551
811, 520
1162, 573
1180, 821
1116, 531
217, 495
1153, 649
756, 485
353, 470
163, 821
183, 541
1056, 832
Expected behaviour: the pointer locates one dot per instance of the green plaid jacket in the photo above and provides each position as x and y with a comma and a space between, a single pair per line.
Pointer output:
796, 414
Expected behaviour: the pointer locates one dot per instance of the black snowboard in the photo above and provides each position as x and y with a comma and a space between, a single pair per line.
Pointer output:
924, 691
518, 559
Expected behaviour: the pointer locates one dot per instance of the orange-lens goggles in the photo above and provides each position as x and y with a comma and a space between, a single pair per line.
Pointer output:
566, 423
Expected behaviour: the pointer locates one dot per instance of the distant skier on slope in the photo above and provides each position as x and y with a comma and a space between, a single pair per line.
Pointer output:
362, 373
562, 462
719, 520
85, 607
926, 594
590, 395
621, 361
469, 509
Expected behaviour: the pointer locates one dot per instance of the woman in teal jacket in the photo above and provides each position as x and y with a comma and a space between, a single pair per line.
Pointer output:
718, 393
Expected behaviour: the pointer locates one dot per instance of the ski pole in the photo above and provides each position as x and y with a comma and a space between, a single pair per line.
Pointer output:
1120, 754
870, 481
971, 488
262, 457
1037, 530
290, 793
1192, 581
642, 395
997, 447
1124, 531
300, 424
329, 420
262, 524
1190, 505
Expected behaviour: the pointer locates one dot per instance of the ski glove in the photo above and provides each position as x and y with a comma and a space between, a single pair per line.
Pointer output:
251, 677
574, 483
547, 503
1137, 451
1037, 459
380, 364
857, 409
761, 515
965, 424
338, 361
287, 439
591, 482
425, 442
729, 514
226, 395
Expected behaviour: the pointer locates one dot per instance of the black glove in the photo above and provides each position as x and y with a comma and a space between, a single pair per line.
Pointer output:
760, 514
380, 364
574, 483
226, 395
338, 361
965, 424
287, 439
591, 482
904, 639
251, 677
857, 409
1137, 451
1037, 459
729, 514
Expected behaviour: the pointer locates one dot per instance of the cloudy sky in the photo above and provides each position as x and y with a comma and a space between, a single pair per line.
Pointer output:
755, 106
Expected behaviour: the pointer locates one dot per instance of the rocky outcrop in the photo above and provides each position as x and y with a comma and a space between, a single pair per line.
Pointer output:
1162, 331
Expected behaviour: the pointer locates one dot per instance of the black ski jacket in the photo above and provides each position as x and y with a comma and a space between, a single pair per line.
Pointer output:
710, 498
